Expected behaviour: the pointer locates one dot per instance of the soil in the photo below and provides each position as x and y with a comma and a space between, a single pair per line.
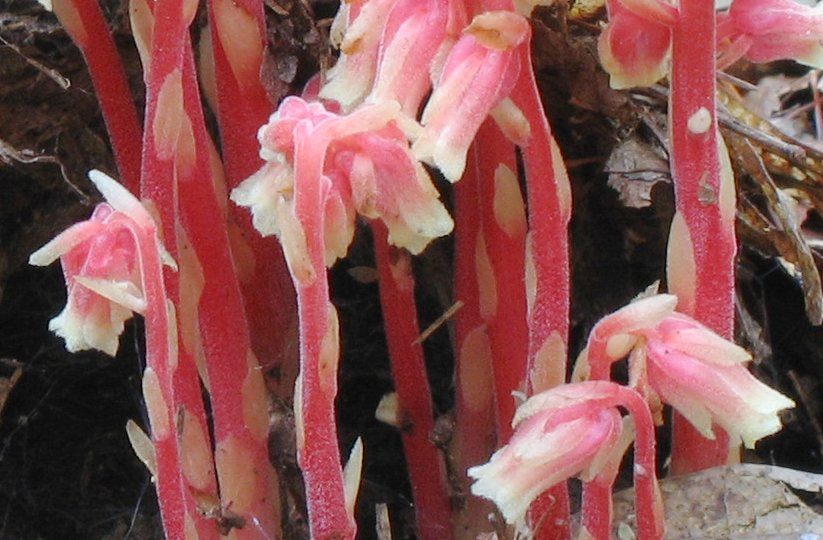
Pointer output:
66, 467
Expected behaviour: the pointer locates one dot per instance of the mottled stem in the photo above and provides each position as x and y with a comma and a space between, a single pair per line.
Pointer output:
427, 472
702, 242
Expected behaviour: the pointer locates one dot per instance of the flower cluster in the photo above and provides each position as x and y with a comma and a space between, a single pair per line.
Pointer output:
362, 148
574, 429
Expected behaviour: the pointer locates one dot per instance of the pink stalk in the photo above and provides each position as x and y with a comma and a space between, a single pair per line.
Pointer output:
500, 259
177, 150
157, 186
237, 38
248, 484
84, 22
702, 244
597, 493
547, 272
318, 453
323, 168
427, 472
475, 436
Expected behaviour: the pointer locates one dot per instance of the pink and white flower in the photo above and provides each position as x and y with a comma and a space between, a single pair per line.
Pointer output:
635, 46
705, 378
555, 439
683, 363
364, 165
478, 75
102, 264
573, 430
767, 30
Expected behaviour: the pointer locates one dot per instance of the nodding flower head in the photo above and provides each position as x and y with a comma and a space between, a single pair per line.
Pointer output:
705, 378
102, 261
478, 74
358, 162
635, 46
683, 363
560, 434
766, 30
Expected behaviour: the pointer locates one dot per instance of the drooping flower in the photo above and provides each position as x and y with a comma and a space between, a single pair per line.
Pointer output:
705, 378
767, 30
102, 265
683, 363
365, 167
478, 75
545, 451
635, 46
572, 430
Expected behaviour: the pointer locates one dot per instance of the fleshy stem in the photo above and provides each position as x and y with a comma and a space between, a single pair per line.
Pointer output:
157, 187
427, 473
475, 436
85, 24
702, 243
502, 294
237, 38
178, 143
549, 203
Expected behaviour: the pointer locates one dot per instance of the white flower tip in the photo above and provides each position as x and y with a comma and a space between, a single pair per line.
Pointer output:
499, 30
81, 334
46, 4
43, 256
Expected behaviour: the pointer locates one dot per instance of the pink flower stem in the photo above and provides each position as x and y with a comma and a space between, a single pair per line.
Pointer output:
183, 382
475, 436
503, 237
427, 472
177, 147
549, 201
708, 295
85, 24
317, 449
177, 503
242, 107
648, 505
597, 494
597, 506
248, 483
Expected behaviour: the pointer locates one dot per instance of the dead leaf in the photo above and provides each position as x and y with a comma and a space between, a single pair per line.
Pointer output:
739, 502
634, 167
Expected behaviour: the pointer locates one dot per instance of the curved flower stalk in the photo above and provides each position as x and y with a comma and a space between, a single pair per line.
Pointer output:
323, 168
677, 360
366, 167
113, 267
568, 431
767, 30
